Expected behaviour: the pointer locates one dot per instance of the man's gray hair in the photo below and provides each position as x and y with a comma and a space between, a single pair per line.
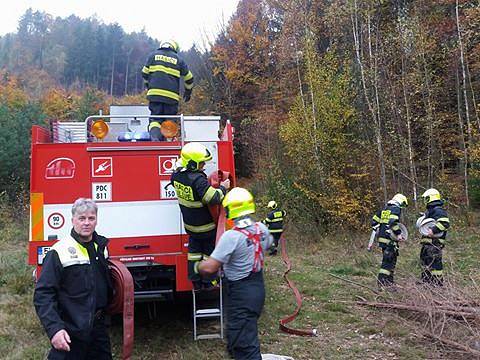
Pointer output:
83, 205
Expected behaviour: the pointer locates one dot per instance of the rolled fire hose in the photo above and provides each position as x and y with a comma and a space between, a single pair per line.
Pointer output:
123, 302
298, 298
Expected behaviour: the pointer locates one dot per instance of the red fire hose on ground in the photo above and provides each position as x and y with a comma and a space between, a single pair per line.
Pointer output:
298, 298
123, 302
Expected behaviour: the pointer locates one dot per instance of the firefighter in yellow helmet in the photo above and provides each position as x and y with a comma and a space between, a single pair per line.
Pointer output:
389, 234
241, 252
194, 194
274, 221
434, 242
161, 74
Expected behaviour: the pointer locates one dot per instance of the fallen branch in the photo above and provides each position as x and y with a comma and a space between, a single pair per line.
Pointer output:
422, 309
355, 283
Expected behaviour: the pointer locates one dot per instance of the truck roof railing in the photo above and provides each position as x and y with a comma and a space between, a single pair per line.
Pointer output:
182, 119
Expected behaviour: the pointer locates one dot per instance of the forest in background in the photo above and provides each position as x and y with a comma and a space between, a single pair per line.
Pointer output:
337, 104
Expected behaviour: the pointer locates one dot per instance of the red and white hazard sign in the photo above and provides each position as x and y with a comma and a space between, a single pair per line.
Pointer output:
102, 167
166, 164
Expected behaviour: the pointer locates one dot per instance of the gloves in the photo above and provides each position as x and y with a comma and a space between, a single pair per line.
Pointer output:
186, 95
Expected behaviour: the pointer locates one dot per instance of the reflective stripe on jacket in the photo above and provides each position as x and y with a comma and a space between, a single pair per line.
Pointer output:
65, 294
162, 73
194, 194
274, 220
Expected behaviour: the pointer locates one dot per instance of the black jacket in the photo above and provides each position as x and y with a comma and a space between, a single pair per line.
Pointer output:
65, 296
162, 73
388, 220
194, 194
274, 220
437, 212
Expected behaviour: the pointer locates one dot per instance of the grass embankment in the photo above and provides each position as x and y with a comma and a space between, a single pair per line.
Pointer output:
345, 331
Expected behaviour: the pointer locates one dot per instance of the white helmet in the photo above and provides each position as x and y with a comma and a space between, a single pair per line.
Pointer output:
431, 195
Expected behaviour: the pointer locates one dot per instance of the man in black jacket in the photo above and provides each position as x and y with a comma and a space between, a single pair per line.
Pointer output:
161, 75
74, 289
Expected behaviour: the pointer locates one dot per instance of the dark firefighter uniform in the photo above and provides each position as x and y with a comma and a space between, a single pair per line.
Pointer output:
161, 74
388, 218
274, 222
72, 293
431, 252
194, 194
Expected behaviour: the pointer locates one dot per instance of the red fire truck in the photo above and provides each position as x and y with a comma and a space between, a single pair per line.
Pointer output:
104, 158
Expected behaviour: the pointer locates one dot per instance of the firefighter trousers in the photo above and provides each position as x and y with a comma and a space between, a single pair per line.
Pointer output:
389, 261
432, 266
245, 299
96, 348
159, 108
198, 250
276, 238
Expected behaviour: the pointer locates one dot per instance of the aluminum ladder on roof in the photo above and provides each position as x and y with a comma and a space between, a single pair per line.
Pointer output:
208, 313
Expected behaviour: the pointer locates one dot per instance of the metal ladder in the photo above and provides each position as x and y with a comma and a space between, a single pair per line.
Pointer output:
208, 313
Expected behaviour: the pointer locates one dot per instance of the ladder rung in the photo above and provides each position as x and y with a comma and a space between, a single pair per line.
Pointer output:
209, 336
207, 312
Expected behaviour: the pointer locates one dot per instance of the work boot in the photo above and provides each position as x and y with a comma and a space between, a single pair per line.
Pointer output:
156, 134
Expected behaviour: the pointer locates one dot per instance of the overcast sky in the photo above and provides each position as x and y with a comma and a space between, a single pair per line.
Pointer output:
187, 21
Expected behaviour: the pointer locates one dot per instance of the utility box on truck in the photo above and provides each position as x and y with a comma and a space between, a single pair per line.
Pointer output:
130, 181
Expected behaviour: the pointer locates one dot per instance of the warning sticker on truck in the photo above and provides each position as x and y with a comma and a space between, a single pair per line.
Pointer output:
167, 191
102, 191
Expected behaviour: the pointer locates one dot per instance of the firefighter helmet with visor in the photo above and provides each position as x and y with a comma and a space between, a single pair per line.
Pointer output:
272, 205
193, 154
238, 202
170, 44
431, 195
401, 200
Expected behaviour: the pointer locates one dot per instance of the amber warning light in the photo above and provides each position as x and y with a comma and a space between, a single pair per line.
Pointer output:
99, 129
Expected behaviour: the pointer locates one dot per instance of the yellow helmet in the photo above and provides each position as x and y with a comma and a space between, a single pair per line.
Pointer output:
193, 154
431, 195
170, 44
401, 200
272, 204
238, 202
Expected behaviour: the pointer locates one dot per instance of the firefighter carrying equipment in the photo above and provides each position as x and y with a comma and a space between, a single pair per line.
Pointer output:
238, 202
431, 195
193, 154
272, 204
162, 73
122, 303
298, 298
389, 230
431, 252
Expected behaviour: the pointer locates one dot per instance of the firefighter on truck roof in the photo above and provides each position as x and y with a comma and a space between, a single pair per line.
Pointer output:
74, 289
161, 75
241, 252
194, 194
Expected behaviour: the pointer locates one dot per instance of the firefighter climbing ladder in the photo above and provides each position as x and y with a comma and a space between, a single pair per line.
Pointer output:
208, 313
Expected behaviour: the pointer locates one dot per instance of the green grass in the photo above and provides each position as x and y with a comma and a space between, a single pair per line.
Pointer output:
345, 331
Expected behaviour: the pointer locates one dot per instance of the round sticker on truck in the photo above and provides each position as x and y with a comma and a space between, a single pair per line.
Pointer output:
56, 220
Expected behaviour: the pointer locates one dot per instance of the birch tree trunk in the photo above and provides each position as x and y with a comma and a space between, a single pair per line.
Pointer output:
465, 99
373, 111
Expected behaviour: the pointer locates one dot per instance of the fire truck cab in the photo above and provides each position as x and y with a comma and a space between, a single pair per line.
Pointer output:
130, 181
